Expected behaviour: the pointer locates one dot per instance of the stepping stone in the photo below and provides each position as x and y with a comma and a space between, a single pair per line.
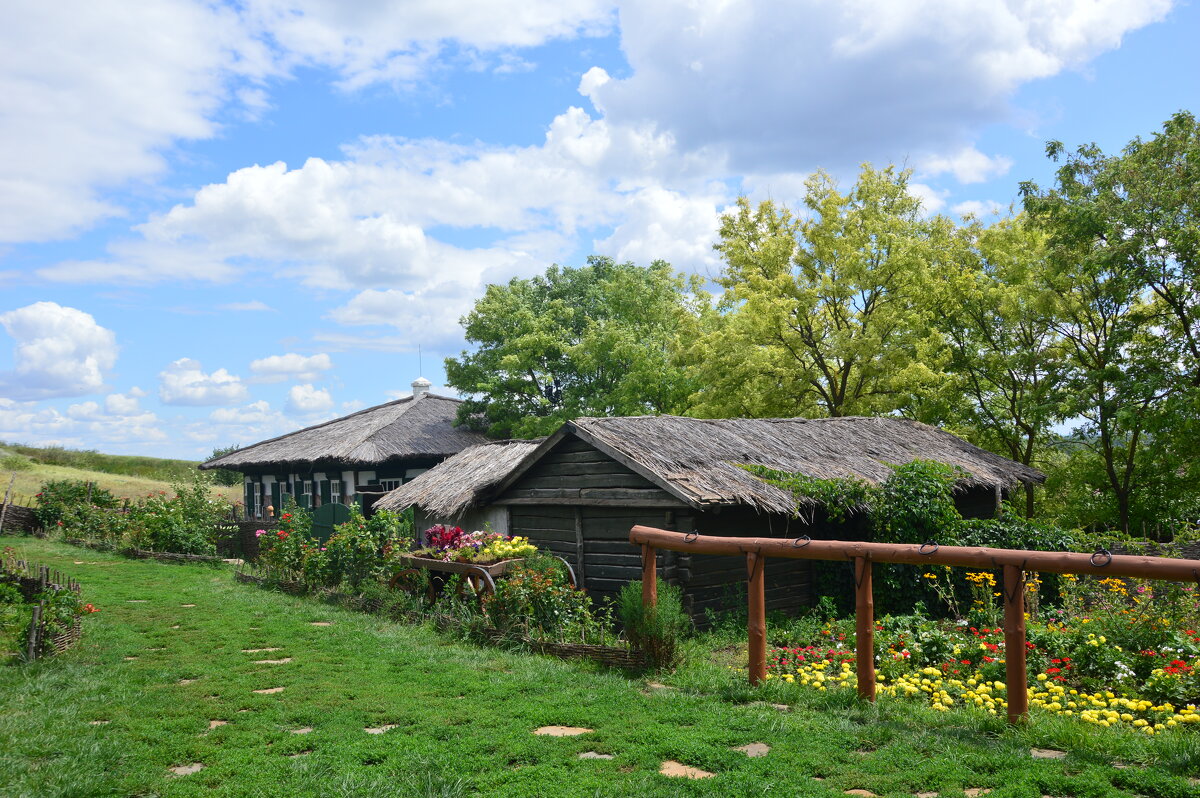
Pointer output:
137, 601
188, 681
678, 770
594, 755
130, 659
381, 729
260, 650
187, 770
212, 724
780, 707
187, 605
1047, 753
283, 661
299, 754
974, 792
156, 649
561, 731
242, 710
322, 623
302, 730
863, 793
754, 750
657, 686
176, 626
270, 691
99, 722
79, 562
926, 795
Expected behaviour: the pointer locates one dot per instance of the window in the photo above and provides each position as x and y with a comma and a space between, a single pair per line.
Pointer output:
335, 491
390, 484
258, 508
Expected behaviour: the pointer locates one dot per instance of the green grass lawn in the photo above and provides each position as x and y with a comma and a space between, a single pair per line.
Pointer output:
139, 694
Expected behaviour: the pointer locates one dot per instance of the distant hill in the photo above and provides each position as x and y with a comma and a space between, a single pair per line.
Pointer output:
126, 476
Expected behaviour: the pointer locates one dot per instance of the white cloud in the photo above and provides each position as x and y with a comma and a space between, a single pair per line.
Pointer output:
968, 165
253, 413
799, 84
291, 366
306, 399
932, 199
185, 383
980, 209
91, 100
119, 404
253, 305
60, 351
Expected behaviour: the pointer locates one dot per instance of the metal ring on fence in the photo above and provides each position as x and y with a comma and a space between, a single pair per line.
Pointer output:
690, 537
796, 544
933, 550
1101, 553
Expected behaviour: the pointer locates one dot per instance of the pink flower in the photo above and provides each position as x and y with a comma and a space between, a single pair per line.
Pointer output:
258, 533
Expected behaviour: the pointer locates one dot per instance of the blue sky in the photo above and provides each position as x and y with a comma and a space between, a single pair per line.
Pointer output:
221, 222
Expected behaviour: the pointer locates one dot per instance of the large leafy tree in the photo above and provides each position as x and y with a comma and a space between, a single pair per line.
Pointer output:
1007, 354
600, 340
1124, 246
822, 315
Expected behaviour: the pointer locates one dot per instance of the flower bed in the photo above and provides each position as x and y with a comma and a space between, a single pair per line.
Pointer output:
1115, 653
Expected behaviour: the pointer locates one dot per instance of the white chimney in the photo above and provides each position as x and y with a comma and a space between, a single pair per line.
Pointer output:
420, 387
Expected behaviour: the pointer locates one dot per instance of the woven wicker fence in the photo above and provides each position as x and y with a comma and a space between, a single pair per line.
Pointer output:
32, 580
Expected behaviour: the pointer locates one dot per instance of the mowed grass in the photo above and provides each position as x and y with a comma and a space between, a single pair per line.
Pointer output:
158, 674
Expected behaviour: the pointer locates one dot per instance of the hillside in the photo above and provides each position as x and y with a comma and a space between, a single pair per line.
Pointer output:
125, 476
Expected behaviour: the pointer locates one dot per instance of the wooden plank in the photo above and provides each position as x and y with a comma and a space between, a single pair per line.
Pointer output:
587, 456
580, 559
589, 502
581, 481
559, 513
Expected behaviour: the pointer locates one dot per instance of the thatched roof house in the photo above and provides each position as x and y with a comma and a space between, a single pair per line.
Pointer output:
578, 491
372, 450
697, 461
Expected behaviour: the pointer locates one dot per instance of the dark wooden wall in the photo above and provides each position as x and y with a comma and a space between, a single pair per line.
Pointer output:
580, 504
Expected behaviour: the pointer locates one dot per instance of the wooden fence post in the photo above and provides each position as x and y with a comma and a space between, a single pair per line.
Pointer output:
35, 628
7, 495
649, 576
1014, 644
864, 628
756, 624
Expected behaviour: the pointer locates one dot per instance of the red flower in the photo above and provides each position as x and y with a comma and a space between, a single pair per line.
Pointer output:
90, 608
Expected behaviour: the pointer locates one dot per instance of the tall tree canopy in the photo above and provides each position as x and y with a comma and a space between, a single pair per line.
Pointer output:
1125, 257
821, 315
600, 340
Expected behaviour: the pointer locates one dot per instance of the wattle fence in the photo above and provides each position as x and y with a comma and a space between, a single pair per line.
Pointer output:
34, 581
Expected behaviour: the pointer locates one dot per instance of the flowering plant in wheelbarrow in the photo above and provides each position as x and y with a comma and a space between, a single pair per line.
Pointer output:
452, 544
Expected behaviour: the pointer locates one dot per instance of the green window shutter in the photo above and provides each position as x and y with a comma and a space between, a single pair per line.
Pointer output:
249, 499
326, 494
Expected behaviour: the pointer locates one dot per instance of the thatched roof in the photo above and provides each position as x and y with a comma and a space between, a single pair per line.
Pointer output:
454, 485
697, 460
420, 427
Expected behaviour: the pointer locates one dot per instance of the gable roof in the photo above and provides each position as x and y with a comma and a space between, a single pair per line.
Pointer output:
697, 460
407, 428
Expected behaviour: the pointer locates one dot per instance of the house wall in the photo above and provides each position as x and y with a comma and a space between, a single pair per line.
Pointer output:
284, 481
580, 504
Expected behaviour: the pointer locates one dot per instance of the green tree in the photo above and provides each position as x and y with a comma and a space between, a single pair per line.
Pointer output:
225, 476
1006, 352
822, 315
1123, 245
600, 340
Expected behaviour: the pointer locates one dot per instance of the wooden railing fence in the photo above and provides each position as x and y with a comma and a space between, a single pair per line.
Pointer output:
1013, 562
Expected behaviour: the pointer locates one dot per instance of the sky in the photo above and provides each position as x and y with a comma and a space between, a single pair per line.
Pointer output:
220, 222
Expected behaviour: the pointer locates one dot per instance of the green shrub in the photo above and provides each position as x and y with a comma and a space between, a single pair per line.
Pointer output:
185, 523
15, 462
58, 495
535, 600
656, 630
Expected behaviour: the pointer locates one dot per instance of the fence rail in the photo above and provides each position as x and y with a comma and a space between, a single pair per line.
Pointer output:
1013, 562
